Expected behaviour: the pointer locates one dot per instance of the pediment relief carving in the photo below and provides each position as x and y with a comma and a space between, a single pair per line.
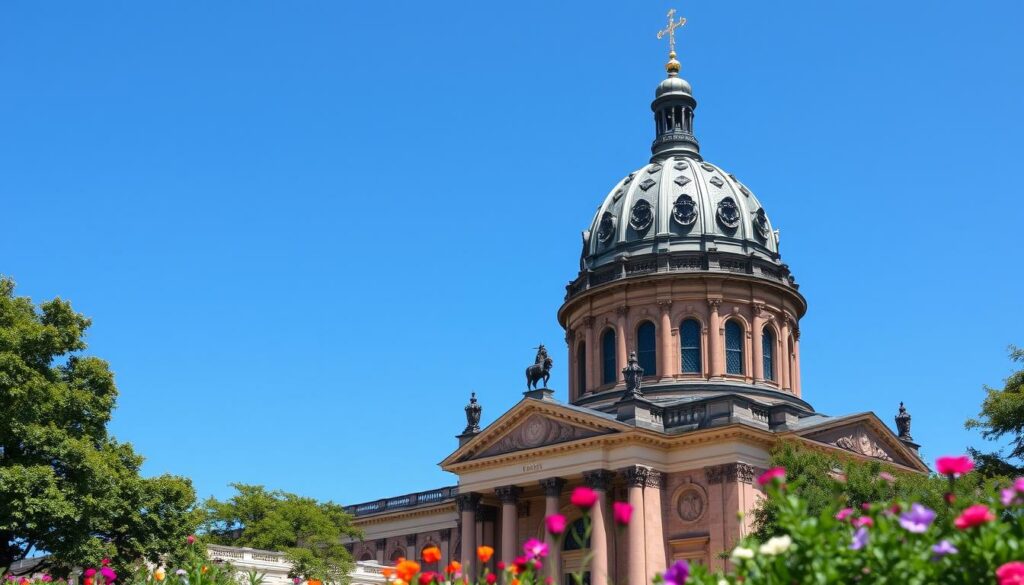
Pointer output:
537, 431
859, 439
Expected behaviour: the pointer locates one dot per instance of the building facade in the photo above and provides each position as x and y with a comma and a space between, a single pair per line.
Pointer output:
682, 327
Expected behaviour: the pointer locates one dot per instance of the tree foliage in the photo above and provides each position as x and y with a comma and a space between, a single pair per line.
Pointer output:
67, 487
1002, 415
814, 477
308, 531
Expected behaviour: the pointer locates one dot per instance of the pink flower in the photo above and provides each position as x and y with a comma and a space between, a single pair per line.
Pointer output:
108, 574
105, 562
191, 539
844, 514
775, 473
954, 466
47, 578
975, 515
1008, 496
583, 497
1018, 484
622, 512
90, 572
535, 548
491, 578
1011, 573
863, 521
887, 477
555, 523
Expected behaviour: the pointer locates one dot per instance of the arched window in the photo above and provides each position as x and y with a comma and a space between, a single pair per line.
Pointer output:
609, 367
689, 342
397, 554
366, 557
768, 352
646, 348
570, 542
733, 347
581, 370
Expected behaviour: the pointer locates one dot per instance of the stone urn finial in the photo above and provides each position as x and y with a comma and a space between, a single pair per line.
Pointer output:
473, 411
633, 374
903, 424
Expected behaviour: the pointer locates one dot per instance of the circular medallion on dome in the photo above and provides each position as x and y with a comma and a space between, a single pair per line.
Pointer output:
761, 223
690, 504
685, 210
642, 215
728, 213
606, 229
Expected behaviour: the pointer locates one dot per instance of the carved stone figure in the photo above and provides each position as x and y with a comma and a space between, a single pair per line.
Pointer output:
540, 370
903, 424
473, 411
633, 374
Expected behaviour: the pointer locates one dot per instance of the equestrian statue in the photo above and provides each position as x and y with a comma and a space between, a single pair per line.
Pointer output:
540, 370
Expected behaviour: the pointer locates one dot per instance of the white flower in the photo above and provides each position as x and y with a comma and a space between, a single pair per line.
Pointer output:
723, 582
739, 553
776, 545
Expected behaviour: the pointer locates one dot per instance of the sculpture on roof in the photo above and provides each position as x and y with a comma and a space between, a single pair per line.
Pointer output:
540, 370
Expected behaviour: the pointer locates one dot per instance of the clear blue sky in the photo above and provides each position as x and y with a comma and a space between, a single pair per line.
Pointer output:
306, 231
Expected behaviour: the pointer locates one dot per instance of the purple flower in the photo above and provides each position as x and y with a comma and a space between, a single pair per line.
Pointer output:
181, 572
1008, 496
860, 538
943, 548
677, 573
917, 519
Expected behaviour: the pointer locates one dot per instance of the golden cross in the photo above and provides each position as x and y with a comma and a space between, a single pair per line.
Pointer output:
670, 30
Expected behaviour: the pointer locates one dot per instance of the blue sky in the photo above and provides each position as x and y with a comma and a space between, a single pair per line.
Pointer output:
306, 231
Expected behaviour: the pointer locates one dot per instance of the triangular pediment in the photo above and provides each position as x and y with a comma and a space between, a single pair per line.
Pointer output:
534, 424
864, 437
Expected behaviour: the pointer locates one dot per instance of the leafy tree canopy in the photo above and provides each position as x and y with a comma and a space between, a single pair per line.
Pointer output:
308, 531
67, 488
1002, 415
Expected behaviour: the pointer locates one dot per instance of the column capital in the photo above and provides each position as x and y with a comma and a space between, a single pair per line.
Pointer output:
655, 479
599, 479
468, 502
589, 321
445, 533
410, 540
796, 333
637, 475
552, 486
729, 473
665, 304
508, 493
381, 543
622, 310
759, 309
714, 304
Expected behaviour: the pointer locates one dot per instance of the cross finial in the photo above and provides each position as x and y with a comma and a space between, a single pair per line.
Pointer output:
672, 66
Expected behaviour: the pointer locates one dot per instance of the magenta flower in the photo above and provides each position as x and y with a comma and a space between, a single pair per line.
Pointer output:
1008, 496
47, 578
863, 521
860, 538
555, 523
583, 497
943, 548
1018, 484
773, 474
622, 512
954, 466
90, 572
108, 574
844, 514
677, 573
917, 519
535, 548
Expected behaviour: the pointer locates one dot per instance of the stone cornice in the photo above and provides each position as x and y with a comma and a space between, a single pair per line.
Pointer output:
393, 515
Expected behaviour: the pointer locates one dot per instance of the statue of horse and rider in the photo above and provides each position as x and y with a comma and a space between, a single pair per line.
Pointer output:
540, 370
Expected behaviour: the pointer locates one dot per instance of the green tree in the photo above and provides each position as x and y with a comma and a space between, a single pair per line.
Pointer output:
67, 488
307, 531
812, 476
1002, 415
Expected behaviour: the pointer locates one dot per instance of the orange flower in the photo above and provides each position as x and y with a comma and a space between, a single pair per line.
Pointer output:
205, 568
515, 581
431, 554
406, 570
388, 572
454, 567
484, 553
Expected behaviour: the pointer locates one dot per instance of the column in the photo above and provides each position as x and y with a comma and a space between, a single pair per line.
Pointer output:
411, 551
666, 360
599, 482
552, 498
446, 545
636, 554
592, 379
784, 357
467, 507
758, 349
655, 533
717, 356
796, 361
508, 495
379, 550
620, 342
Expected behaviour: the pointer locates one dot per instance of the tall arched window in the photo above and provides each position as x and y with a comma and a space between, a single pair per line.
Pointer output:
581, 370
733, 347
646, 348
768, 352
608, 365
689, 342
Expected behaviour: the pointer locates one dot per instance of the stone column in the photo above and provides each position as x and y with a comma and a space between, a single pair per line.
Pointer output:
758, 349
381, 544
620, 342
599, 481
784, 357
552, 496
656, 560
508, 495
446, 545
468, 504
636, 554
410, 548
796, 361
729, 493
666, 361
717, 356
592, 380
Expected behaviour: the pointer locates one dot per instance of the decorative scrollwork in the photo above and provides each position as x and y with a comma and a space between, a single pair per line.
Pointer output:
685, 210
642, 215
761, 223
606, 228
728, 213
